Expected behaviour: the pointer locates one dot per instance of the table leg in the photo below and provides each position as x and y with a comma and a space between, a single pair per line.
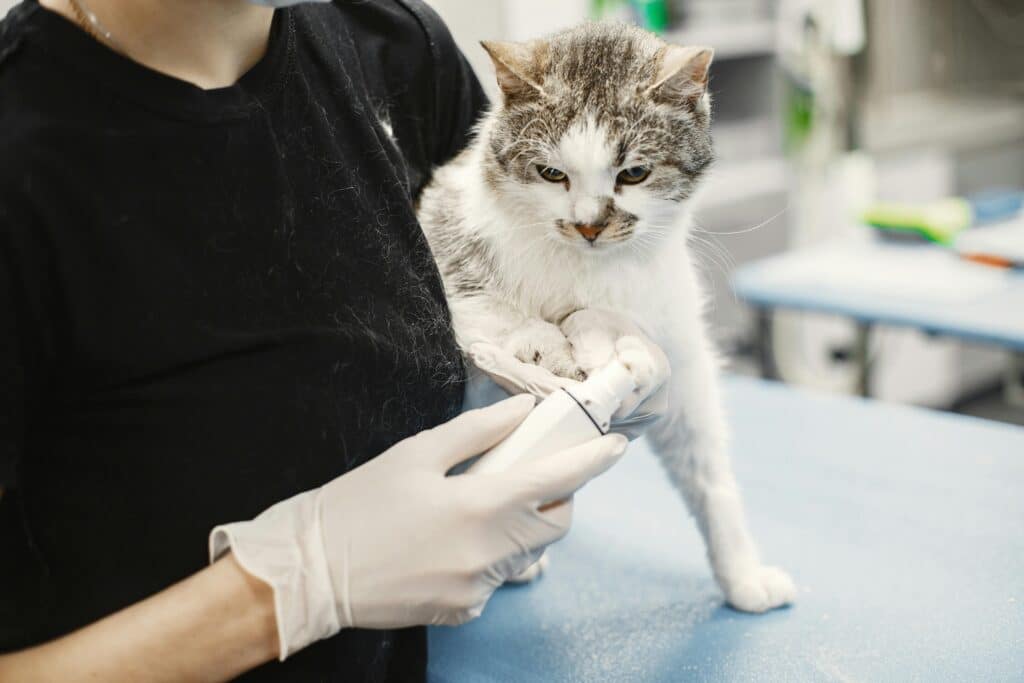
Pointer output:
1013, 380
860, 357
765, 352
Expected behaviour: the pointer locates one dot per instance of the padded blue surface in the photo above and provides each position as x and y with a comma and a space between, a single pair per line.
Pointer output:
995, 317
903, 528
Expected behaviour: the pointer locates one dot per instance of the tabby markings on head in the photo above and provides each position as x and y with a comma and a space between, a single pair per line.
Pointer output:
600, 131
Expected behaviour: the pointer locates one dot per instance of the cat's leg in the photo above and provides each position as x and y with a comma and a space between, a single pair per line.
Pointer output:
692, 443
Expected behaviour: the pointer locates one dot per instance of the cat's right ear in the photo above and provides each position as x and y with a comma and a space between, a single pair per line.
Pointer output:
682, 76
519, 68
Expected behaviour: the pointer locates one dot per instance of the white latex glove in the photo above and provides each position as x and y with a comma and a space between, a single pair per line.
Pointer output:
597, 337
397, 543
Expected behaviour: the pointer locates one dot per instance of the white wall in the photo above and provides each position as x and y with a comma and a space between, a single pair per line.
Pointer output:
6, 5
471, 21
528, 19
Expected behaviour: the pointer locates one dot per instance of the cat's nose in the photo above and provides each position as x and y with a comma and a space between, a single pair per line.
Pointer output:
589, 232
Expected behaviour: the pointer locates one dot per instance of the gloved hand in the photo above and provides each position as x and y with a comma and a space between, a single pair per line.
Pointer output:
397, 543
597, 336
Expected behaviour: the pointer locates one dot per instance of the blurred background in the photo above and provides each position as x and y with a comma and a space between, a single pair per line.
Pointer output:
861, 231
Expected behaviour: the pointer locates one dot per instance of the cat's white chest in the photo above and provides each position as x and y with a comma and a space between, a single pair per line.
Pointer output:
555, 286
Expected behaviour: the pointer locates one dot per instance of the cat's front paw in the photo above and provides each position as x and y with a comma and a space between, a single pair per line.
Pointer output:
760, 589
599, 336
541, 343
648, 369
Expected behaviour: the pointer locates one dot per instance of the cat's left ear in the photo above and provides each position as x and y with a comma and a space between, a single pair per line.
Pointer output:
682, 76
519, 68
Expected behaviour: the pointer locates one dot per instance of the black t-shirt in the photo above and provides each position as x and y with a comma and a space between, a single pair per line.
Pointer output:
212, 300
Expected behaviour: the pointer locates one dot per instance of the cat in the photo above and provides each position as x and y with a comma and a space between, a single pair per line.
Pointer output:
574, 193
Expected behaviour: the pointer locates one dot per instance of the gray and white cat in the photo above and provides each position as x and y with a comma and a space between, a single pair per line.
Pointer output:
574, 195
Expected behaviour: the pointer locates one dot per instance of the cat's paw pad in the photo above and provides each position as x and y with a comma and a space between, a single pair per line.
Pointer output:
531, 572
761, 589
541, 343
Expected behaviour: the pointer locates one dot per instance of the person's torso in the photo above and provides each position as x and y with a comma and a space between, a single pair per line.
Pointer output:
244, 307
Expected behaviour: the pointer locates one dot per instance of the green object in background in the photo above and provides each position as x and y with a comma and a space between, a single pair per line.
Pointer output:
651, 14
602, 9
939, 221
798, 116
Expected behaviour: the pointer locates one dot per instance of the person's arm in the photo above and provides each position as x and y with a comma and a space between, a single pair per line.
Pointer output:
393, 543
213, 626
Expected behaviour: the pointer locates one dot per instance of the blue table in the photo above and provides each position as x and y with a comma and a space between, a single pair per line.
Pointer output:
903, 528
871, 282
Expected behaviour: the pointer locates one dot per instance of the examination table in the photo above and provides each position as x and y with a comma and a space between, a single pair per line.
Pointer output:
902, 527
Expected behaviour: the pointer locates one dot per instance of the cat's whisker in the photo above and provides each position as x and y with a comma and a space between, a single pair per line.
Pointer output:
744, 231
713, 255
714, 250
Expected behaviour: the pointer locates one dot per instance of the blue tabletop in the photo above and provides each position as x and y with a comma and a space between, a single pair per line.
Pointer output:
903, 528
916, 285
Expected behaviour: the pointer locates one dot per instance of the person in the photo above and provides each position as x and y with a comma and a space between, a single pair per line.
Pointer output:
220, 314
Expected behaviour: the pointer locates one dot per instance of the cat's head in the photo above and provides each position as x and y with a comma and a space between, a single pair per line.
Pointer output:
601, 135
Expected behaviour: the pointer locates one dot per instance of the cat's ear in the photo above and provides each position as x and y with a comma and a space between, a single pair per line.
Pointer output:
519, 67
682, 76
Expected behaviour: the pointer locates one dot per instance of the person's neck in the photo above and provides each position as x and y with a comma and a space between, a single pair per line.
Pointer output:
210, 43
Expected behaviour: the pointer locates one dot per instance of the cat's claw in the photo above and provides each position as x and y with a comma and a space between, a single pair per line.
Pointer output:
538, 342
760, 590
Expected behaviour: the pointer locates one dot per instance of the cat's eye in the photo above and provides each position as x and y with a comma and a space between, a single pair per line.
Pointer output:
552, 175
634, 175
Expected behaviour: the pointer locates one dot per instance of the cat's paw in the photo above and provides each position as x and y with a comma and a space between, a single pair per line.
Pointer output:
636, 355
599, 336
541, 343
760, 589
650, 370
532, 572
